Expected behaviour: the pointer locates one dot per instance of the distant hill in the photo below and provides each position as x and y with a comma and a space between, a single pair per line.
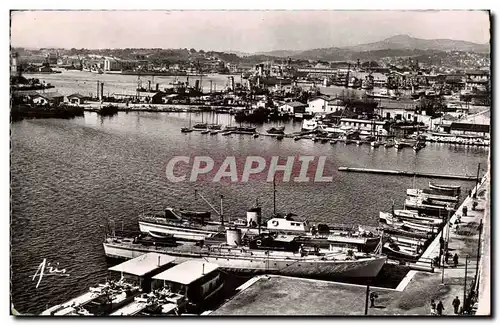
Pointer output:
405, 42
399, 45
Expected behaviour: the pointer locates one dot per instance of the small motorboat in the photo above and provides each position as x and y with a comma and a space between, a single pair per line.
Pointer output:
226, 133
297, 138
205, 131
214, 132
186, 130
333, 141
256, 135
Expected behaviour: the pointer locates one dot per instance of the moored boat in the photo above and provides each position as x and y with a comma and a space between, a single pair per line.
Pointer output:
261, 256
428, 194
445, 189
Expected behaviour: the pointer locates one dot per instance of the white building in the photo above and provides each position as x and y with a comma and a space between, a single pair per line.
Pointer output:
364, 126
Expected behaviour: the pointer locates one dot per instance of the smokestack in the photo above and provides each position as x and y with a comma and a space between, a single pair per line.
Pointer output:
157, 86
102, 91
149, 85
97, 94
159, 260
203, 269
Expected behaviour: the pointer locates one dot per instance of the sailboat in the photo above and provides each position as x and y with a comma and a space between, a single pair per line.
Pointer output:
200, 125
188, 129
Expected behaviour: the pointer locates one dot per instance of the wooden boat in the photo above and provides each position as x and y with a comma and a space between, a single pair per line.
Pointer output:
186, 130
256, 135
226, 133
214, 132
205, 131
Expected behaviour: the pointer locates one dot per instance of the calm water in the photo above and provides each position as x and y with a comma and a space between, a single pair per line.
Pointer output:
69, 177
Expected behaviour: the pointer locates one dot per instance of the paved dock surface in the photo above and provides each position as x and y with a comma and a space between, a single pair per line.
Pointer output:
287, 296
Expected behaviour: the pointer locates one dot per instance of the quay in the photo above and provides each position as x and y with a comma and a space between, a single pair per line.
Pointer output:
405, 173
412, 296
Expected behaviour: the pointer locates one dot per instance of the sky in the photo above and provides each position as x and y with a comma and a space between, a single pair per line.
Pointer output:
244, 31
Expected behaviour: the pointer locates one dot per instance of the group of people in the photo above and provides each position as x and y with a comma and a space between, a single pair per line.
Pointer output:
437, 309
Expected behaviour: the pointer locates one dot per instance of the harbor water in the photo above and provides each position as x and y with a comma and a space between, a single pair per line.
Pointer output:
71, 177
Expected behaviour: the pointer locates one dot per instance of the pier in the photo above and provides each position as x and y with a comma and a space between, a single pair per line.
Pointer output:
405, 173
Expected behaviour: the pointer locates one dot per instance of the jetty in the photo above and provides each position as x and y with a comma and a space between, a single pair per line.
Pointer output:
405, 173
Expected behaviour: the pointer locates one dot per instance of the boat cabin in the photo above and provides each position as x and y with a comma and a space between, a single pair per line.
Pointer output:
287, 224
138, 271
196, 280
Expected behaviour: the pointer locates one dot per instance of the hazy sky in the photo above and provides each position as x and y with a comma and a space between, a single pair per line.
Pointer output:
247, 31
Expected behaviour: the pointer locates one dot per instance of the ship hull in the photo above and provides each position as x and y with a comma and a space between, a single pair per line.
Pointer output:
361, 268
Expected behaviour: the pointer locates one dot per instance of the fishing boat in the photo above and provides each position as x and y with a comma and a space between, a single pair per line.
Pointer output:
214, 132
256, 135
398, 230
226, 133
205, 131
133, 275
261, 255
297, 138
333, 141
429, 194
200, 126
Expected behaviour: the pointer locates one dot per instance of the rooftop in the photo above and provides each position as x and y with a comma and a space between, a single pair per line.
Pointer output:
143, 264
187, 272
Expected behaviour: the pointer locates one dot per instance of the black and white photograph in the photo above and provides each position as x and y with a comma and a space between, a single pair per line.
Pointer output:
213, 163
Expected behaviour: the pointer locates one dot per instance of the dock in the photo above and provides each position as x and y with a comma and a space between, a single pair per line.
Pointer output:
405, 173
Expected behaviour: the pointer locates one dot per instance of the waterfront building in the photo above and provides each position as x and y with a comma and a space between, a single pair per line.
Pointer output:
366, 126
318, 105
469, 129
293, 107
76, 99
51, 98
398, 110
112, 64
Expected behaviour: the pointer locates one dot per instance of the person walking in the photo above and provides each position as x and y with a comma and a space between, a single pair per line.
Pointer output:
456, 304
464, 211
440, 308
455, 259
433, 307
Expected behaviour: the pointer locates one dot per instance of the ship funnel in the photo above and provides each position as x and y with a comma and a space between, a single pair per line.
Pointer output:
254, 217
233, 236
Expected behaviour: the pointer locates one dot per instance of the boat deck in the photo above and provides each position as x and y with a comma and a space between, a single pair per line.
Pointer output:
68, 307
131, 309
